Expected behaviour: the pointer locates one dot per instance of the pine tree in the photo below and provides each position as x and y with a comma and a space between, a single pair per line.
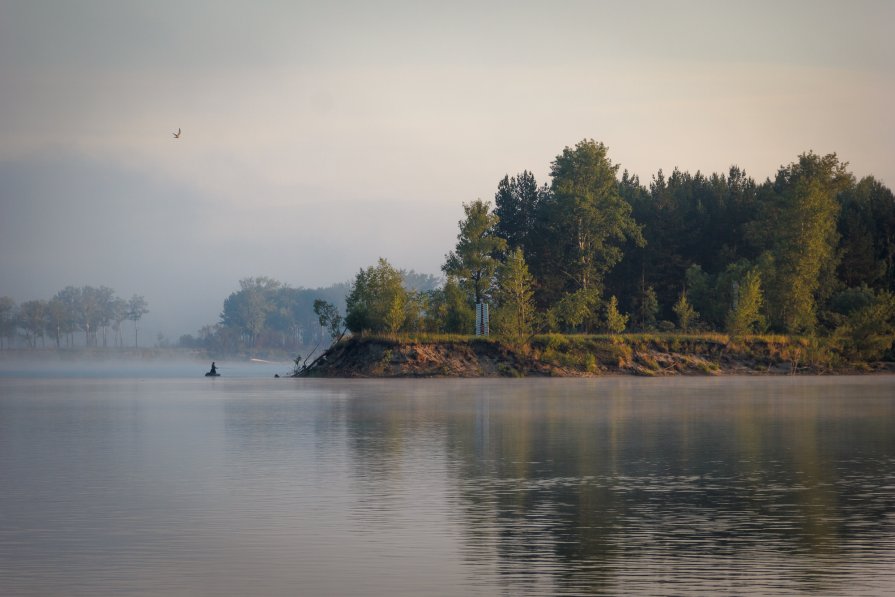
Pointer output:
515, 204
474, 260
648, 309
515, 315
686, 314
616, 322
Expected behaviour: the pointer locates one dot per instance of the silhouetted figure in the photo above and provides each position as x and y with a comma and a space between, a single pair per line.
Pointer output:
214, 370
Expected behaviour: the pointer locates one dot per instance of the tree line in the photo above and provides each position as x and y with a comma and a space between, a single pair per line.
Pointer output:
98, 313
809, 252
267, 315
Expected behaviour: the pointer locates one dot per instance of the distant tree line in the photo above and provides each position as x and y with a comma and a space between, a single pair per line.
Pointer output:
265, 315
97, 313
808, 252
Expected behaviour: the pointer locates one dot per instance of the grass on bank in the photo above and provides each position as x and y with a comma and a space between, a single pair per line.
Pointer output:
650, 352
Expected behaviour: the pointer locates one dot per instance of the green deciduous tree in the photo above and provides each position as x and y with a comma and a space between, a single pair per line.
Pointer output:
329, 318
377, 301
585, 222
448, 310
798, 227
745, 315
574, 310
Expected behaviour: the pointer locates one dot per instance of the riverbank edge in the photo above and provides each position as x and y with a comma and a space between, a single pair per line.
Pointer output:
557, 355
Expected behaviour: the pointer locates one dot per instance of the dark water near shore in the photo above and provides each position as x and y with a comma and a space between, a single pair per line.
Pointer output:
177, 486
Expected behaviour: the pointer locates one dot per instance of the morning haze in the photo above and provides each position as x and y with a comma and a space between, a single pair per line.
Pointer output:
317, 139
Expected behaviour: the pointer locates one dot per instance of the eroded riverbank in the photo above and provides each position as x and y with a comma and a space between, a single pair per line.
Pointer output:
584, 356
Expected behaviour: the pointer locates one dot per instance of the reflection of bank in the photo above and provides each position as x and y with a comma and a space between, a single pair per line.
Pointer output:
587, 483
482, 425
481, 319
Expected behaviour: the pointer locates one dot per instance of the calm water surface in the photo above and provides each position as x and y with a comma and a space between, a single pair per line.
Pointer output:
258, 486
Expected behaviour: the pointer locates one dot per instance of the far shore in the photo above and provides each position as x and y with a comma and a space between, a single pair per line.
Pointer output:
131, 353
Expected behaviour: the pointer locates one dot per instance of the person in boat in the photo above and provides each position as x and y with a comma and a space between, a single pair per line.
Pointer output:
214, 370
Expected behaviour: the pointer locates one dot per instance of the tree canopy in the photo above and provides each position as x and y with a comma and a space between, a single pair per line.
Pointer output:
584, 219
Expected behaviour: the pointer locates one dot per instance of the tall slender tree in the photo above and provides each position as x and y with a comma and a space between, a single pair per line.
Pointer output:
585, 221
474, 261
56, 320
515, 313
106, 298
745, 316
616, 321
90, 312
686, 314
136, 309
119, 315
798, 227
70, 297
7, 318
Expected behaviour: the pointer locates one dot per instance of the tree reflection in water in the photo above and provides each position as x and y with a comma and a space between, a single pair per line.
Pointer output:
751, 485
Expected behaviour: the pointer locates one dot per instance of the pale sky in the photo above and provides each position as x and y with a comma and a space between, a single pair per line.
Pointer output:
318, 137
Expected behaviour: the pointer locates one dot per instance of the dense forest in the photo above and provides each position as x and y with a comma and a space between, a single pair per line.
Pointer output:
809, 252
97, 313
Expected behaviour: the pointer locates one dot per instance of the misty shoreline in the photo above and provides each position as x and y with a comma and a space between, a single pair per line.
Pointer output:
132, 354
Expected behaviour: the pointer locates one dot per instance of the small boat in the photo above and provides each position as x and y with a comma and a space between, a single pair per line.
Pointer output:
210, 374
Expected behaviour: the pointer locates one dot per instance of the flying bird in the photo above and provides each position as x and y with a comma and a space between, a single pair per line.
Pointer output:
177, 134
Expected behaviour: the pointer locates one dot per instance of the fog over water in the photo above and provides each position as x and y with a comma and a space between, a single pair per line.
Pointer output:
318, 138
156, 366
